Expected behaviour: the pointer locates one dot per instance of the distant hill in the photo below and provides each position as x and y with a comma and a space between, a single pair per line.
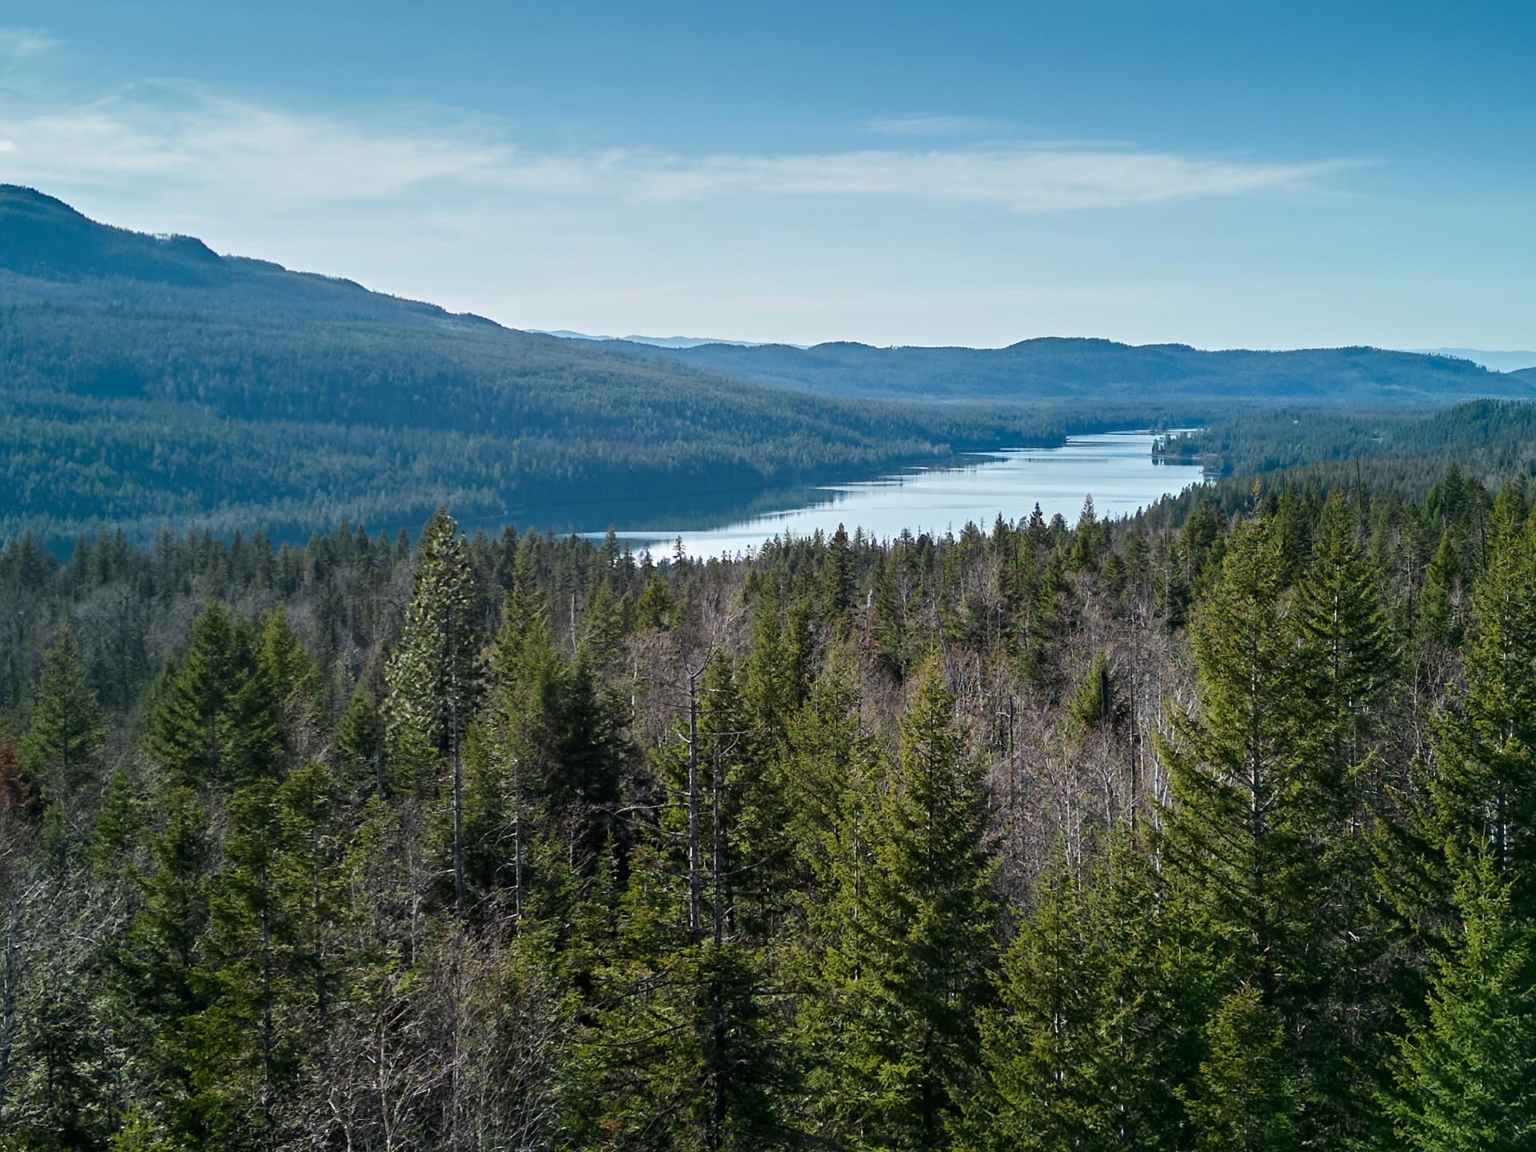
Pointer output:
1061, 369
147, 379
1510, 361
52, 252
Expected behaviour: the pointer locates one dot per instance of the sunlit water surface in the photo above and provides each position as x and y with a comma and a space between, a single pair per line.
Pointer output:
1116, 468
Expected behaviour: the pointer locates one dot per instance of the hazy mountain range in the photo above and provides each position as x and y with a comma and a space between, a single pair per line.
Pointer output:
1067, 370
1511, 361
1507, 361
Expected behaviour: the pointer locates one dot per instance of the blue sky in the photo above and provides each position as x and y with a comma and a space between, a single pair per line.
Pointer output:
1223, 174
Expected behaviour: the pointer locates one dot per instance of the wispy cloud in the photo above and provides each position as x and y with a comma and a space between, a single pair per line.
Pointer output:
931, 125
21, 43
189, 137
1023, 179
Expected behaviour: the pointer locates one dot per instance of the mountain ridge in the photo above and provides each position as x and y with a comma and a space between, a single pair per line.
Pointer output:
1057, 368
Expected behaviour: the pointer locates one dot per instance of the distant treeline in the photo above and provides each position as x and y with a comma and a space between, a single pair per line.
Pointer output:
1402, 448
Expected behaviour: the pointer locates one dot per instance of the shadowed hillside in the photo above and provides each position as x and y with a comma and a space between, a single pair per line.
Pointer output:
148, 380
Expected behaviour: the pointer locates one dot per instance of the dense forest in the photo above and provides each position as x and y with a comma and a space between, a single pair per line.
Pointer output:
1211, 829
1403, 447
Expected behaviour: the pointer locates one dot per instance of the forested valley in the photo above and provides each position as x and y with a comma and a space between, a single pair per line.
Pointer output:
146, 380
1209, 829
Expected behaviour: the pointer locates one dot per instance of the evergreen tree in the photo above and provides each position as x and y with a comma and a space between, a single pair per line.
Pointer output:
1248, 843
839, 574
1088, 538
1484, 778
1245, 1097
1348, 666
911, 1034
1466, 1073
1348, 658
68, 726
434, 676
1239, 832
215, 717
1039, 1045
187, 731
1093, 1025
241, 1049
162, 952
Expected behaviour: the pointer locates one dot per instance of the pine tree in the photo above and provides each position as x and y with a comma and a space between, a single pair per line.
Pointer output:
434, 676
1484, 764
829, 786
1238, 834
655, 608
68, 726
187, 731
1348, 658
161, 953
241, 1051
1348, 666
1245, 1097
683, 1050
1038, 1046
686, 1051
1247, 840
911, 1037
1466, 1072
215, 718
1093, 1024
1441, 605
1088, 538
838, 575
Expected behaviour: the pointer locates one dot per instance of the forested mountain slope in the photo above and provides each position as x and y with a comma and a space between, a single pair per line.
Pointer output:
147, 380
1197, 832
1402, 448
1103, 371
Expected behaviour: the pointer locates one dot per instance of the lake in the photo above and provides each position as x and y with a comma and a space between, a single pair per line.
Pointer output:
1116, 468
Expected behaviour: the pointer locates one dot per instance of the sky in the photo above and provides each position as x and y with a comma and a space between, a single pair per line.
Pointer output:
1223, 173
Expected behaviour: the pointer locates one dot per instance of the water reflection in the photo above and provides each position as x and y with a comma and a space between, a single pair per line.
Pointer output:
1116, 468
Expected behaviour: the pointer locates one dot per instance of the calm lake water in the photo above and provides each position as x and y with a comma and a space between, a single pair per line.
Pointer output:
1115, 468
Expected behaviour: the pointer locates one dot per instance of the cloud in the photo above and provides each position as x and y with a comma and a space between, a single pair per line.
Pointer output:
21, 43
1022, 179
174, 134
187, 137
931, 125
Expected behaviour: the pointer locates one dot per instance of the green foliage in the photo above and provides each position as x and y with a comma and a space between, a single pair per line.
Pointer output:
68, 725
922, 938
856, 844
1093, 1022
1466, 1073
1245, 1096
1485, 755
214, 719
